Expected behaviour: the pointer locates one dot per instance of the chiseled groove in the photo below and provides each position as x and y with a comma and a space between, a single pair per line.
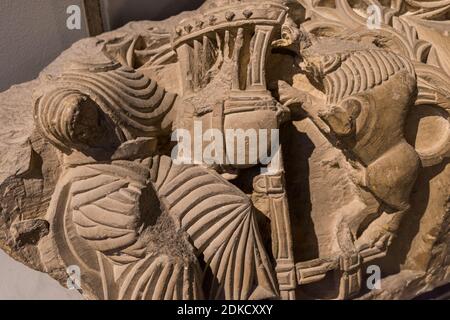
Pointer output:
108, 218
109, 85
81, 220
369, 72
58, 115
115, 111
137, 176
129, 72
407, 65
334, 87
368, 68
129, 193
175, 172
49, 114
176, 199
262, 259
66, 126
109, 98
213, 263
210, 239
113, 244
128, 103
360, 85
133, 275
87, 173
138, 88
241, 268
330, 63
191, 223
227, 268
47, 111
385, 59
141, 98
343, 82
120, 198
397, 61
222, 264
225, 229
161, 283
124, 259
100, 192
376, 68
200, 193
137, 250
172, 284
133, 83
230, 272
149, 277
154, 170
349, 80
182, 178
327, 88
98, 231
383, 71
107, 244
165, 166
248, 276
91, 183
198, 229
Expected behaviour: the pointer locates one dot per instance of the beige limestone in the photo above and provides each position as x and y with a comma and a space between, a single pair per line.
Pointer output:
362, 177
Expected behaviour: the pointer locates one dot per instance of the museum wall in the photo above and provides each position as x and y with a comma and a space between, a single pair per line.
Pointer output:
33, 34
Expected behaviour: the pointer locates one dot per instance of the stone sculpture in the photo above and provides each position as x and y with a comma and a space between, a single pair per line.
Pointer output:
369, 125
358, 94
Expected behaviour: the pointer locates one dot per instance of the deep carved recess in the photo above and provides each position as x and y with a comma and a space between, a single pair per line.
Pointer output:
361, 178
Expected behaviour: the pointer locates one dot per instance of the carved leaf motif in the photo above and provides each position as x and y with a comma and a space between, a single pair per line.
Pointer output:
338, 18
429, 9
220, 222
106, 214
419, 49
399, 21
144, 245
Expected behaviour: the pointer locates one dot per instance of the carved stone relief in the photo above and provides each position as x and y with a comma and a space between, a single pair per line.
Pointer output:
350, 100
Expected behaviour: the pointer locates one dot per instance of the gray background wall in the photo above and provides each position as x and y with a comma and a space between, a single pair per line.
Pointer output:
32, 34
20, 282
119, 12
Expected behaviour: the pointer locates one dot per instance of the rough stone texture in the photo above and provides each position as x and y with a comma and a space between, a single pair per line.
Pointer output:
362, 179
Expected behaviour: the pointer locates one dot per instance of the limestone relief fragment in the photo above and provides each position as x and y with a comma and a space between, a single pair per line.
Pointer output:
246, 150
